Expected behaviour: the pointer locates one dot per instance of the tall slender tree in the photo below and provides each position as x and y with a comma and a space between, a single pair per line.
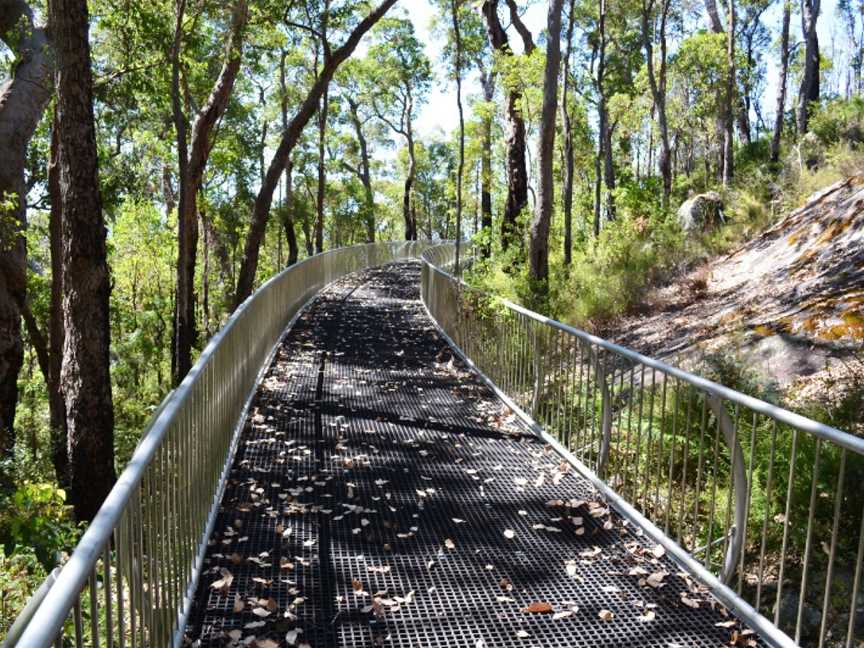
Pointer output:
85, 369
192, 162
657, 83
539, 246
290, 137
23, 98
567, 128
782, 81
457, 65
515, 142
809, 91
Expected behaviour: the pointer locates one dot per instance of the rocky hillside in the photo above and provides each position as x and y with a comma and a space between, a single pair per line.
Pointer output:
789, 302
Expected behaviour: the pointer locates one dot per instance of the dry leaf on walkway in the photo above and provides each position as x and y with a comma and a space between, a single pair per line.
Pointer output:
538, 607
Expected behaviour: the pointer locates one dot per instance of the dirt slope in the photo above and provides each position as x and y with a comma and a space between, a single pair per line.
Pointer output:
790, 301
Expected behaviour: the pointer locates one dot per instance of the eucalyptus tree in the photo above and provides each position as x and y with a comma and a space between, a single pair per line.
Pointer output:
516, 141
809, 90
400, 75
538, 266
192, 162
567, 128
23, 97
782, 81
333, 58
654, 19
358, 114
85, 373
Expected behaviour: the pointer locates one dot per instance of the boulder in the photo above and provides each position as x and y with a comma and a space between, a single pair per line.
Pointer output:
702, 212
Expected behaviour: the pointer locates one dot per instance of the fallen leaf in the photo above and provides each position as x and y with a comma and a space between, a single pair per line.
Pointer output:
223, 584
648, 615
509, 534
606, 615
562, 615
449, 544
659, 551
538, 607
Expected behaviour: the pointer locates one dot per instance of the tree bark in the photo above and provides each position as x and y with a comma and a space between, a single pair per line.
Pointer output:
23, 98
515, 142
657, 82
809, 91
729, 108
261, 210
539, 246
191, 174
85, 369
567, 127
364, 173
322, 175
603, 120
488, 81
454, 10
56, 404
782, 81
287, 220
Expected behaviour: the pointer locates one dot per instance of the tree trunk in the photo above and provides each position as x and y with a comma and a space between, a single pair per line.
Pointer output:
364, 172
539, 246
569, 166
322, 175
488, 80
729, 108
454, 7
85, 369
23, 98
809, 91
603, 119
261, 210
782, 81
657, 82
287, 220
56, 404
192, 163
515, 142
407, 207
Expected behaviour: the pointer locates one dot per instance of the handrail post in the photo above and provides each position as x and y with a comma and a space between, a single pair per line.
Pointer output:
606, 418
739, 486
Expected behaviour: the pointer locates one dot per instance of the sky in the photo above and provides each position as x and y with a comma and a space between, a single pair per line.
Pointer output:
439, 113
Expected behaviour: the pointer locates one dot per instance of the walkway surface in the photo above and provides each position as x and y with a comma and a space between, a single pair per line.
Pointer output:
383, 496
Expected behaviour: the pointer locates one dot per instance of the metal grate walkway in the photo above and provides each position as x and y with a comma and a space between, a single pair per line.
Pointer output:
382, 496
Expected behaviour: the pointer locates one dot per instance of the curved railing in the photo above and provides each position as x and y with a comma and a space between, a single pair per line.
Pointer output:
130, 580
759, 503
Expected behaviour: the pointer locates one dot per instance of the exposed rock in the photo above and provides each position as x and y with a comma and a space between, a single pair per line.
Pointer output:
788, 302
811, 616
701, 212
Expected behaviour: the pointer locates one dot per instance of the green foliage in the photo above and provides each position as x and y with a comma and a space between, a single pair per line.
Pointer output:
608, 276
21, 573
35, 517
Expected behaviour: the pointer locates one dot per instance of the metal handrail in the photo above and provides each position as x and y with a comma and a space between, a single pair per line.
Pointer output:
131, 579
765, 497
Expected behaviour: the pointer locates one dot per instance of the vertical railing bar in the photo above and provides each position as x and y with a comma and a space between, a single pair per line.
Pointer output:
682, 510
660, 463
829, 578
786, 514
694, 529
713, 506
109, 608
750, 469
94, 608
856, 585
768, 495
805, 575
670, 509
